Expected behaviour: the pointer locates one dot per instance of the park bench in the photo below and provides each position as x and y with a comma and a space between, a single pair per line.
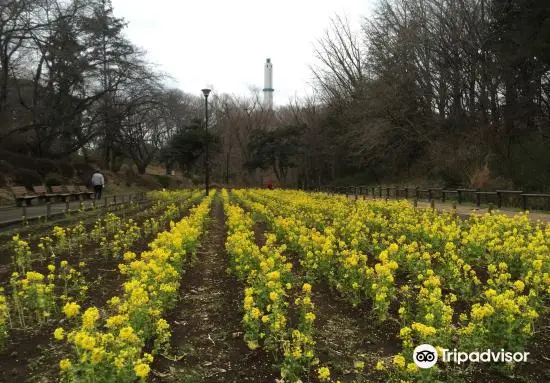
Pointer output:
74, 191
42, 193
20, 194
58, 190
85, 191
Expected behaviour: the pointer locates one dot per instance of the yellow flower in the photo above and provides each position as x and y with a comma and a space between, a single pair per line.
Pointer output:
399, 360
129, 256
97, 355
142, 370
411, 368
255, 313
59, 333
89, 317
84, 341
307, 289
359, 364
114, 301
65, 364
252, 344
519, 285
273, 276
51, 268
127, 333
380, 366
34, 276
310, 317
273, 296
116, 321
323, 373
71, 309
162, 324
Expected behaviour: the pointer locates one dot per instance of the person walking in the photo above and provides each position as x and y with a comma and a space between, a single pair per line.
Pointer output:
98, 182
270, 185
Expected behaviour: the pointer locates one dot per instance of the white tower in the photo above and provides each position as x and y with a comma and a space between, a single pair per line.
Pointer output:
268, 85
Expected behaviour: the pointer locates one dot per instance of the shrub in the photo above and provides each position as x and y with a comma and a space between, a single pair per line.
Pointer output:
45, 166
18, 160
53, 179
147, 181
27, 178
164, 181
129, 176
65, 168
6, 169
196, 179
84, 168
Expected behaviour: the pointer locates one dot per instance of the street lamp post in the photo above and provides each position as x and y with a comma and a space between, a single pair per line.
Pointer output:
206, 92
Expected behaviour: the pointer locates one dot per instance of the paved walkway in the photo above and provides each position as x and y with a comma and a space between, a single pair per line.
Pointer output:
12, 214
466, 210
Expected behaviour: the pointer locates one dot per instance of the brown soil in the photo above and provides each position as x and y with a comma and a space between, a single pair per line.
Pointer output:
206, 324
345, 335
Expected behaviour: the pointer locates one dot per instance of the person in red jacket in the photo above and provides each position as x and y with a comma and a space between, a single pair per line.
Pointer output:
270, 185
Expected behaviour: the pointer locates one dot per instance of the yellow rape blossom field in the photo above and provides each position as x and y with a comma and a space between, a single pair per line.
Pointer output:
258, 285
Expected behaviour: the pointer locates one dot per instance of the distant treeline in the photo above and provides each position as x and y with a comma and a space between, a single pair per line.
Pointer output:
453, 91
442, 91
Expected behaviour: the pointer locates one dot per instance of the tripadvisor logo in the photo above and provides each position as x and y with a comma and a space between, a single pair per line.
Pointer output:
426, 355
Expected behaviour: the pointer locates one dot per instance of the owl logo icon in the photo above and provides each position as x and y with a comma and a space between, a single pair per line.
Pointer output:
425, 356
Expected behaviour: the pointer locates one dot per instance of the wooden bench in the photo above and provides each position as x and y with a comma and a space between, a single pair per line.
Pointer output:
59, 192
74, 190
85, 191
20, 194
42, 193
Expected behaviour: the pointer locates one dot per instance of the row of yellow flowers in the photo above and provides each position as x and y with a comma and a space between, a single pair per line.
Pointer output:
109, 345
334, 235
36, 297
269, 285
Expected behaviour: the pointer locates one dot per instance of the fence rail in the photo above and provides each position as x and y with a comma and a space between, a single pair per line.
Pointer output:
500, 198
49, 210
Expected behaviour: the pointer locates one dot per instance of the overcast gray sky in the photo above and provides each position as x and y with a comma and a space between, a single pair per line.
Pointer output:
224, 43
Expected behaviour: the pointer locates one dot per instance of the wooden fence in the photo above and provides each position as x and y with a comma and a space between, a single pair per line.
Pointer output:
500, 198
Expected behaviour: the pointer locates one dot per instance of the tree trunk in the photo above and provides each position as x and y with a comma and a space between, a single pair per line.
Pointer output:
141, 168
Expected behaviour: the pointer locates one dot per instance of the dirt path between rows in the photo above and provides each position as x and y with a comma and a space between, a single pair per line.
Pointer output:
206, 324
346, 335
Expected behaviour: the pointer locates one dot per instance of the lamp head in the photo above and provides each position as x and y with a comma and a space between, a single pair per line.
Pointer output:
206, 92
